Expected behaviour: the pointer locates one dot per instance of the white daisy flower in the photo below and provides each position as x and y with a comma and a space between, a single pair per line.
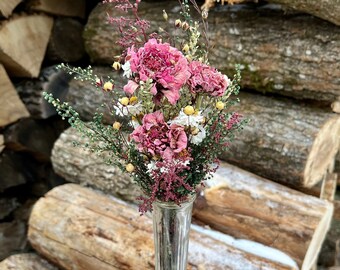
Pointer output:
127, 69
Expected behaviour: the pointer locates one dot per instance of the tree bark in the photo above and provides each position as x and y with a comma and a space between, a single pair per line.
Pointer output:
6, 7
110, 234
247, 206
328, 10
285, 141
74, 8
66, 42
293, 55
23, 42
50, 80
26, 261
11, 107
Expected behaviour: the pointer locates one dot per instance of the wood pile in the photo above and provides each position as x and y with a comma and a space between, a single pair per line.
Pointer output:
283, 196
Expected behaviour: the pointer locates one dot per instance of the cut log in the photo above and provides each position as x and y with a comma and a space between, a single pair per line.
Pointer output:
36, 137
6, 7
247, 206
66, 42
26, 261
50, 80
2, 143
328, 10
337, 210
336, 105
73, 232
74, 8
329, 253
12, 238
290, 55
285, 141
11, 107
328, 188
23, 42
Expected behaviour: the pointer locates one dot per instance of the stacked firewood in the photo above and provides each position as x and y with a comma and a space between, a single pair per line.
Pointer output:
34, 35
270, 205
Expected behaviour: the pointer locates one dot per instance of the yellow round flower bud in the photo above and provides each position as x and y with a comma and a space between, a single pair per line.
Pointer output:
108, 86
189, 110
133, 100
116, 65
194, 131
178, 23
186, 48
129, 168
124, 101
219, 105
116, 125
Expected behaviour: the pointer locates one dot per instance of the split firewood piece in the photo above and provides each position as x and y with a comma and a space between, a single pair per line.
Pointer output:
70, 230
285, 141
50, 80
74, 8
247, 206
328, 11
337, 210
26, 261
329, 186
252, 37
6, 7
66, 42
2, 143
11, 107
336, 105
23, 42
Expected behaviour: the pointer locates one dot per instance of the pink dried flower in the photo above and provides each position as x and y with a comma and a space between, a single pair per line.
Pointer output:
206, 79
130, 87
155, 137
165, 65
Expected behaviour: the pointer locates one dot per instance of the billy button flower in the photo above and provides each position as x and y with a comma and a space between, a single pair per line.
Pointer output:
116, 125
186, 48
108, 86
133, 100
124, 101
189, 110
116, 65
219, 105
130, 168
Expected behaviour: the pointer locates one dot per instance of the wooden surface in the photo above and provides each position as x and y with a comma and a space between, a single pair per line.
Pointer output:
328, 10
285, 141
247, 206
293, 55
23, 42
11, 107
74, 8
26, 261
7, 6
50, 80
66, 42
69, 229
2, 141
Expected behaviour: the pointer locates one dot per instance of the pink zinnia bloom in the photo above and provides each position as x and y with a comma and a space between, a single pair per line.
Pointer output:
206, 79
162, 63
155, 137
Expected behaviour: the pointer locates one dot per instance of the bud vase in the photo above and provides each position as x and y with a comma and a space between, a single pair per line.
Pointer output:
171, 226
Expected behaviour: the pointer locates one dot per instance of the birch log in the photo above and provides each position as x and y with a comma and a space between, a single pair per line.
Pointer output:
296, 56
244, 205
6, 7
26, 261
328, 10
75, 233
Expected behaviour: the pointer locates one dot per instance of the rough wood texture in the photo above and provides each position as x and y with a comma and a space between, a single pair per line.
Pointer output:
328, 10
66, 42
328, 188
294, 55
337, 210
112, 235
285, 141
11, 107
78, 165
329, 255
26, 261
74, 8
247, 206
6, 7
2, 143
336, 105
50, 80
23, 42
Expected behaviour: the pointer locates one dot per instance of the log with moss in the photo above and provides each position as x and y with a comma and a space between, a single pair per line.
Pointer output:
293, 55
74, 233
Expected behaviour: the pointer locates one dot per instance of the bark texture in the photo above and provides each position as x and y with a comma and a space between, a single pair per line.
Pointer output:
110, 234
285, 141
26, 261
247, 206
293, 55
6, 7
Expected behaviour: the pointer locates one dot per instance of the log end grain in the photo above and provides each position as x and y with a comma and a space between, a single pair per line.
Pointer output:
323, 152
26, 261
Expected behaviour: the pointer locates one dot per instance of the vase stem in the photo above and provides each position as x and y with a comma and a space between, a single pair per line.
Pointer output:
171, 226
